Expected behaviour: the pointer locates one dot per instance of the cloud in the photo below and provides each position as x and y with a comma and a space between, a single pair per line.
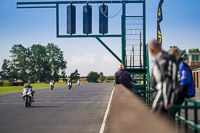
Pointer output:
92, 62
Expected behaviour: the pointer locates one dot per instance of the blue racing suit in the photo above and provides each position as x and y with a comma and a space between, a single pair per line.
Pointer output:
186, 78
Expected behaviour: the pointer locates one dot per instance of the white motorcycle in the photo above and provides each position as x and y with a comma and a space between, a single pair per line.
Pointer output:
27, 96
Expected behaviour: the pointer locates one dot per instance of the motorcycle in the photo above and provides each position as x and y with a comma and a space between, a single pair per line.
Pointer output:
52, 84
27, 96
70, 86
52, 87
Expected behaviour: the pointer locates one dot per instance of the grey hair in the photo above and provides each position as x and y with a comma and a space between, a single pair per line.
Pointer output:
121, 67
174, 51
154, 44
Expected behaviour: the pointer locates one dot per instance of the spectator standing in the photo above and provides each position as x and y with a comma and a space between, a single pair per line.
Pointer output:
163, 78
186, 87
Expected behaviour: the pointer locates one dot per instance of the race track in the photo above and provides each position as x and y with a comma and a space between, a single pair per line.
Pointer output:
80, 110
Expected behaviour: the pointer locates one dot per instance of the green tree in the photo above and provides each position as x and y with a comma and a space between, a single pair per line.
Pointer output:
35, 63
6, 69
92, 77
14, 71
183, 53
20, 61
55, 61
196, 50
101, 77
37, 55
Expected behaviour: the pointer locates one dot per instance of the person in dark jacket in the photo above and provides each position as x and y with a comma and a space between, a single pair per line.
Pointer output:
186, 85
163, 78
123, 77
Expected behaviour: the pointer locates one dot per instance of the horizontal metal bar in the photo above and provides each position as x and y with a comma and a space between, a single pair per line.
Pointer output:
135, 67
79, 2
139, 79
190, 123
192, 100
185, 107
74, 36
134, 60
142, 91
133, 16
140, 85
37, 7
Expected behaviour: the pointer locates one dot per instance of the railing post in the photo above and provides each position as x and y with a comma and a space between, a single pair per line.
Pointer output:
186, 113
195, 116
179, 114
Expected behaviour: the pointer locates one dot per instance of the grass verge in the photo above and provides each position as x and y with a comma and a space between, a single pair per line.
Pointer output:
36, 86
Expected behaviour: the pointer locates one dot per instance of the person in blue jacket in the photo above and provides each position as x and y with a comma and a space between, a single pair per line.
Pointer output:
186, 87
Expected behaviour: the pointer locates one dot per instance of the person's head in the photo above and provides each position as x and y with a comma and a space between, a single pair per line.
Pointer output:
29, 82
154, 47
174, 51
121, 67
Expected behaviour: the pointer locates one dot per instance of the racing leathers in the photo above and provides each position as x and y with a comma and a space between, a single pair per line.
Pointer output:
164, 81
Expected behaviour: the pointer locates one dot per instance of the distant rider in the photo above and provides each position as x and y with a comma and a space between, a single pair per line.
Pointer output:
31, 88
78, 82
69, 84
51, 84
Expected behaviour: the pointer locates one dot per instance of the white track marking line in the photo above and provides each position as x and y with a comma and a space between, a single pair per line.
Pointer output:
106, 113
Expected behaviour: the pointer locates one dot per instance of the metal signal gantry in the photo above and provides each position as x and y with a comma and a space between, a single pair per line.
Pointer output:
56, 4
133, 35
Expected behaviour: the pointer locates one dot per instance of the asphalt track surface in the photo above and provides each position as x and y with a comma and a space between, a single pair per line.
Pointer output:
79, 110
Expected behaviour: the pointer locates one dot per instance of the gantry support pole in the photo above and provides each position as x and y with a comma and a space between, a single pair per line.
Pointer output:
123, 30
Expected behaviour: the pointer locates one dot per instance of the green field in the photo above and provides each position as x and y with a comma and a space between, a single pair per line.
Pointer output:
36, 86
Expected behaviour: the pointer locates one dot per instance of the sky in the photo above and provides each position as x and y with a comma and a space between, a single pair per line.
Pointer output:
180, 26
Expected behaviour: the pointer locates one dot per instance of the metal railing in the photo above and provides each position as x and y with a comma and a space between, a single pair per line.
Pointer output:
189, 104
143, 87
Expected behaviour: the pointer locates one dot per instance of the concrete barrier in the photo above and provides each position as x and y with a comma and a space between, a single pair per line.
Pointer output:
129, 114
